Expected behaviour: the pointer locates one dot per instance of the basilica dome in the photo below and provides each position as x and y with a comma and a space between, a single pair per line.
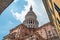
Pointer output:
31, 14
31, 19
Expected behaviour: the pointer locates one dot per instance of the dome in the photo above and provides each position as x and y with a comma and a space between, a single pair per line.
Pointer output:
31, 14
31, 19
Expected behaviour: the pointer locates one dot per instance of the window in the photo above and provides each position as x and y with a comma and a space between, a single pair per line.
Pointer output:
53, 34
30, 22
49, 32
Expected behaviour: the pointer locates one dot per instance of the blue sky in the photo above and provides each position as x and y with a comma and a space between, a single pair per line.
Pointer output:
14, 14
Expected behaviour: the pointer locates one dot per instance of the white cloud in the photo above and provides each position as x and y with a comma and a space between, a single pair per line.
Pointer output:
21, 16
41, 15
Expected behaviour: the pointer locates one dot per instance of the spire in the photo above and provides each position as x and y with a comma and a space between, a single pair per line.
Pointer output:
31, 8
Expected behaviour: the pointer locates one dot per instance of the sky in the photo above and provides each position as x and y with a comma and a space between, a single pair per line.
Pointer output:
14, 14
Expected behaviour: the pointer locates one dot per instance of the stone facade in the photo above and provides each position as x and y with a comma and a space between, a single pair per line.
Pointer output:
26, 32
21, 32
48, 32
53, 12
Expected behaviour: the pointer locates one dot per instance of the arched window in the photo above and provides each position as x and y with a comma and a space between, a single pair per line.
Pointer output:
30, 22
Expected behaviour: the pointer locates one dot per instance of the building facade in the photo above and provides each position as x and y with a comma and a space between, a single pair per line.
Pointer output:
53, 12
48, 32
30, 30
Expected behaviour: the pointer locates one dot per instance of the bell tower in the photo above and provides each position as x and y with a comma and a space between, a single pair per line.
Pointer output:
31, 19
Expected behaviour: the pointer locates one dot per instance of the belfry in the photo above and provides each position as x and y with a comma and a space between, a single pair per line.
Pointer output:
31, 19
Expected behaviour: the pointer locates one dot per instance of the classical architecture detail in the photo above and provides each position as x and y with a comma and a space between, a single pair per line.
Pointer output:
31, 19
29, 30
21, 32
53, 12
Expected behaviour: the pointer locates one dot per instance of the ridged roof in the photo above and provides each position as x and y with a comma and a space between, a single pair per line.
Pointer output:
31, 12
